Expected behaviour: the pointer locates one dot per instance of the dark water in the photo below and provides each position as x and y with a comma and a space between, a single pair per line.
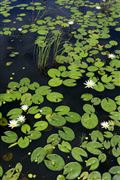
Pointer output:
24, 65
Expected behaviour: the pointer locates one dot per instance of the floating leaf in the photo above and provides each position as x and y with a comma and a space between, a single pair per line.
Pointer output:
41, 125
23, 142
89, 121
106, 176
34, 134
93, 163
33, 110
3, 122
64, 147
78, 153
115, 170
1, 171
88, 108
14, 113
37, 99
62, 110
55, 97
97, 135
53, 73
93, 147
56, 120
99, 87
54, 162
55, 82
70, 82
38, 155
86, 97
54, 139
72, 170
73, 117
108, 105
25, 128
10, 137
60, 177
43, 90
67, 134
94, 175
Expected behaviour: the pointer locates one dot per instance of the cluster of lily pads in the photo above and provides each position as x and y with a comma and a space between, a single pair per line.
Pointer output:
89, 59
91, 152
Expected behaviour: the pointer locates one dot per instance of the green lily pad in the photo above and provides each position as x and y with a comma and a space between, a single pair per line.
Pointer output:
37, 99
64, 146
43, 90
55, 82
78, 153
108, 105
89, 121
38, 155
53, 73
67, 134
99, 87
94, 175
14, 113
56, 120
23, 142
10, 137
54, 162
88, 108
73, 117
41, 125
54, 139
93, 163
70, 82
55, 97
62, 110
3, 122
72, 170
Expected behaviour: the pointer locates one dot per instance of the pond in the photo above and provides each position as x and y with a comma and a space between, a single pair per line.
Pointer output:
59, 89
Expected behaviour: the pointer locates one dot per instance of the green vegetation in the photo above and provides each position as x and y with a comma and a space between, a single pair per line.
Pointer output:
38, 118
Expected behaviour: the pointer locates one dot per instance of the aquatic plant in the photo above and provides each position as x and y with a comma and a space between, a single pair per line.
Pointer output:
43, 49
76, 144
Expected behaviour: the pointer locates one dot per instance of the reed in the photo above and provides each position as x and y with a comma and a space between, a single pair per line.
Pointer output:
43, 49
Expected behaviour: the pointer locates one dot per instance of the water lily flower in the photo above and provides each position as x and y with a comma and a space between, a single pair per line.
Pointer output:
111, 56
21, 119
105, 125
71, 22
89, 84
13, 123
24, 107
19, 29
98, 7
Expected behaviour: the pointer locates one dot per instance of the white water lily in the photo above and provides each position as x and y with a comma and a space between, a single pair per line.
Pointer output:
71, 22
24, 107
89, 84
41, 110
111, 56
21, 119
98, 7
105, 125
13, 123
19, 29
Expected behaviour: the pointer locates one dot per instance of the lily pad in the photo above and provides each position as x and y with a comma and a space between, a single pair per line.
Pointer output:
38, 155
55, 97
108, 105
72, 170
89, 121
54, 162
